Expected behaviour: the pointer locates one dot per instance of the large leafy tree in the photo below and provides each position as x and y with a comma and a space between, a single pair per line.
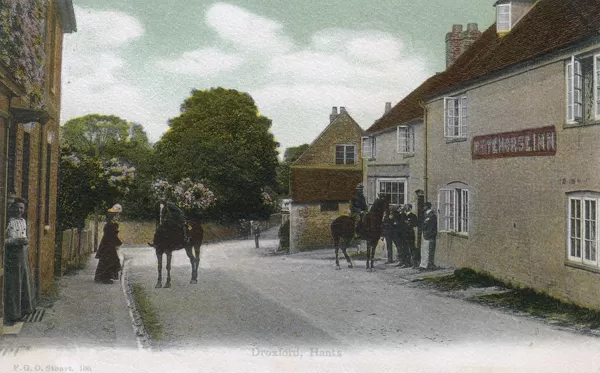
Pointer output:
221, 138
106, 139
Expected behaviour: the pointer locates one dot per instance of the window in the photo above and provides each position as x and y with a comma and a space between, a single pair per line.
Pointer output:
455, 117
454, 210
394, 188
369, 147
582, 244
583, 88
503, 17
344, 154
25, 168
405, 139
329, 206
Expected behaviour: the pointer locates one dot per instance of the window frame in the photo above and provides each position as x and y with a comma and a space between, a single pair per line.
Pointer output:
459, 118
403, 181
345, 160
452, 216
509, 15
579, 258
575, 94
405, 139
372, 147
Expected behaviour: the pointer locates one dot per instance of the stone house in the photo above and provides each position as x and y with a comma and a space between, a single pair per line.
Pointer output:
512, 147
323, 181
29, 123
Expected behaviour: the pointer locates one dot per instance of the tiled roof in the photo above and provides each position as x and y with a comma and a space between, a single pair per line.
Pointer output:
323, 184
549, 26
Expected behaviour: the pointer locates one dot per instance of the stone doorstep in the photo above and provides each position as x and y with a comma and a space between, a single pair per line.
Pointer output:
12, 330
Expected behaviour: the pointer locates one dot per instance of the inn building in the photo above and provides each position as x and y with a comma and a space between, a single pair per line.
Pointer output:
513, 150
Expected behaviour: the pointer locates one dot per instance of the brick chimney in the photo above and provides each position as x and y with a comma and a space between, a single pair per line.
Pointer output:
453, 44
458, 41
388, 107
333, 115
342, 109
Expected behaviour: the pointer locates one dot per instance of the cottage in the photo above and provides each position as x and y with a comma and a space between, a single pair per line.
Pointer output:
323, 181
29, 122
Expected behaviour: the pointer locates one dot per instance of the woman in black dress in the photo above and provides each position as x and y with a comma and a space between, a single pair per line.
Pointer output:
109, 264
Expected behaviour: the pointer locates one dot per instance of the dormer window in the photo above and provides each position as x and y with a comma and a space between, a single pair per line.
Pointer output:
503, 17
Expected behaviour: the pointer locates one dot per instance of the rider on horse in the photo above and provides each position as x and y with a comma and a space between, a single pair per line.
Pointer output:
169, 211
358, 208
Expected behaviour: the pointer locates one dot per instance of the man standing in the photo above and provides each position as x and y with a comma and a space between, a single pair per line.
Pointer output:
358, 207
256, 232
388, 234
429, 238
400, 238
411, 222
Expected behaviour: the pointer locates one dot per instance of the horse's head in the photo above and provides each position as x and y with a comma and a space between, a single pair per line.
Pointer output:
381, 205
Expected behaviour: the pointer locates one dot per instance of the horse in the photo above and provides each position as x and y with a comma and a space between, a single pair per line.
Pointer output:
342, 229
168, 238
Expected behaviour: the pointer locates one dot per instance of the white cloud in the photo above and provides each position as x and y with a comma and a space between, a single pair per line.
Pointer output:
202, 62
247, 31
94, 77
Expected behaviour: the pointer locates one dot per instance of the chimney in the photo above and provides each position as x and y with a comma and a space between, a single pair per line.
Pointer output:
388, 107
469, 36
342, 109
453, 44
333, 115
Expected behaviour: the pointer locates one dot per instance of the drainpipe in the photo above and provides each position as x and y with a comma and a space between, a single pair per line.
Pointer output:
40, 204
426, 175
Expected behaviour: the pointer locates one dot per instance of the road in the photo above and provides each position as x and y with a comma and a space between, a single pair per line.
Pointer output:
297, 310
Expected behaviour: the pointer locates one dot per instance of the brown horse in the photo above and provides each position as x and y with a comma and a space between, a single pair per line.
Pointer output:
168, 238
342, 229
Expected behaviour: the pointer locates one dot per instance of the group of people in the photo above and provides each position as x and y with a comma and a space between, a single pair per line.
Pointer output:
398, 229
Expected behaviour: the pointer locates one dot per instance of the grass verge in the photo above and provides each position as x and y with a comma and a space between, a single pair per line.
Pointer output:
517, 299
149, 317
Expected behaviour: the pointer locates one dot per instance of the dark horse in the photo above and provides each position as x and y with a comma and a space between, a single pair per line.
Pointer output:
342, 229
168, 238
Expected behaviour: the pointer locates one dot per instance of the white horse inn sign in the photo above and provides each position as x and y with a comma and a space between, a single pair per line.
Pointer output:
531, 142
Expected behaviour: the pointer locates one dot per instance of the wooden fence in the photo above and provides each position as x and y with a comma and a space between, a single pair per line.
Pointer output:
75, 247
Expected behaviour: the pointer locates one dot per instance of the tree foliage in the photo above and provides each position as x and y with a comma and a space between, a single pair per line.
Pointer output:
222, 139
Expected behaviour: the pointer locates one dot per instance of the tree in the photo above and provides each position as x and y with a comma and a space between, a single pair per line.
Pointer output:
284, 169
222, 139
113, 140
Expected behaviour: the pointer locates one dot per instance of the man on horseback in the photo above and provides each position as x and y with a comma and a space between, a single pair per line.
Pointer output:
358, 208
169, 211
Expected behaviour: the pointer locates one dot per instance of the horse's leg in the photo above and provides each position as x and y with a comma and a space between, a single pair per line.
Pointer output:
159, 281
336, 241
197, 266
169, 255
344, 246
190, 254
373, 248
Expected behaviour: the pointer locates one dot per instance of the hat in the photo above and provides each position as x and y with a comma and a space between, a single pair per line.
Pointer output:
116, 208
359, 186
408, 206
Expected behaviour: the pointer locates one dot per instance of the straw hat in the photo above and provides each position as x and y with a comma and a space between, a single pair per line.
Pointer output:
116, 208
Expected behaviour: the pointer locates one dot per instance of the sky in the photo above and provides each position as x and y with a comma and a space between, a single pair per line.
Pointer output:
140, 59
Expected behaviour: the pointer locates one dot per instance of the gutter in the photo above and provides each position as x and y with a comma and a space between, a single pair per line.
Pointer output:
426, 153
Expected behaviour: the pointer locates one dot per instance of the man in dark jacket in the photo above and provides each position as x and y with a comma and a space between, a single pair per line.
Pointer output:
410, 223
168, 210
388, 233
429, 237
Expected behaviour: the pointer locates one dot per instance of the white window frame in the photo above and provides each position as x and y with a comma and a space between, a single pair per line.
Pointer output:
345, 160
403, 181
455, 117
405, 139
575, 91
504, 10
578, 233
369, 147
454, 204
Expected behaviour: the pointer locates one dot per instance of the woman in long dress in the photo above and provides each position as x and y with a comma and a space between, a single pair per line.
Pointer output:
108, 259
19, 287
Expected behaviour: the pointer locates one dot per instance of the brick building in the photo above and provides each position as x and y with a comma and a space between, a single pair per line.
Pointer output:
29, 126
323, 181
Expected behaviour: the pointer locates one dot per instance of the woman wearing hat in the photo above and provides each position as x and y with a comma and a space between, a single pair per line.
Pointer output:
109, 264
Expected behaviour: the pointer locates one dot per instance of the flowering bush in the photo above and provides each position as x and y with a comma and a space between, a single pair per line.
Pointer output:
118, 174
22, 44
188, 194
267, 199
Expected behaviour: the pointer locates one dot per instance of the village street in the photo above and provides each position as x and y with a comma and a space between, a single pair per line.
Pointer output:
264, 306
